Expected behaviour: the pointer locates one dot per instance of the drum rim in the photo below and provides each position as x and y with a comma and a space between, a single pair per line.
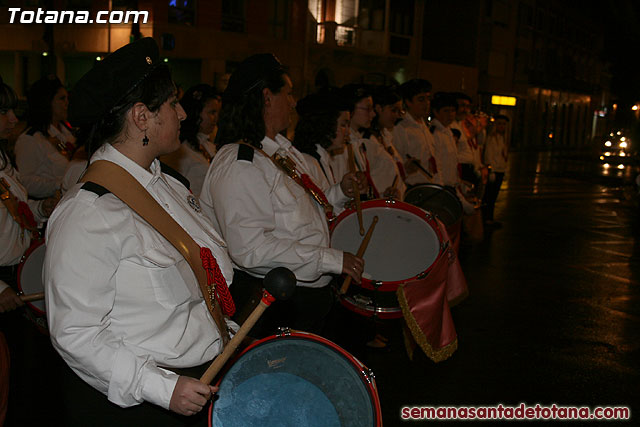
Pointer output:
31, 249
370, 383
428, 217
381, 313
439, 187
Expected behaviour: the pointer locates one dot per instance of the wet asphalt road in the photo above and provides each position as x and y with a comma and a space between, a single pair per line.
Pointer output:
553, 314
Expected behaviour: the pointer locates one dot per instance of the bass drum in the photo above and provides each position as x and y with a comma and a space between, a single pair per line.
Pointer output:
296, 379
437, 200
404, 246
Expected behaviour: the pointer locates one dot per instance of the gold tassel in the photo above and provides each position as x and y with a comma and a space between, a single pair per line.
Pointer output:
436, 355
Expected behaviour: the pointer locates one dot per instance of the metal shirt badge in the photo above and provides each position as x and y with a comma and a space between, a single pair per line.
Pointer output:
193, 202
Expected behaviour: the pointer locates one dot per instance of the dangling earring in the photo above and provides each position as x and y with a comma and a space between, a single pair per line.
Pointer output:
145, 140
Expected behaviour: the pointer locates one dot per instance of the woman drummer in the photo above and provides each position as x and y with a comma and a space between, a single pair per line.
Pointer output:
322, 128
124, 309
19, 216
44, 149
201, 104
369, 155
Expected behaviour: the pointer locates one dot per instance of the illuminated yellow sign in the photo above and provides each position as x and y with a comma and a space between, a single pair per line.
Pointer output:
503, 100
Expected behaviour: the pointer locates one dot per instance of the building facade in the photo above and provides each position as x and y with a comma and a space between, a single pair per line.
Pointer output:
542, 56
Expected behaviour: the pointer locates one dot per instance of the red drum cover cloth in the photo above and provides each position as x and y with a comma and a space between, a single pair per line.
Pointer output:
457, 289
426, 309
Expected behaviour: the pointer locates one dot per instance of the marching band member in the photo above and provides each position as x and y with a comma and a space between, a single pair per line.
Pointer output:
19, 216
412, 137
496, 153
469, 154
323, 126
124, 308
260, 191
443, 107
44, 149
388, 107
369, 155
201, 104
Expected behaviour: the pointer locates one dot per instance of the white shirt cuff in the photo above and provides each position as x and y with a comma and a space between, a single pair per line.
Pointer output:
331, 260
158, 385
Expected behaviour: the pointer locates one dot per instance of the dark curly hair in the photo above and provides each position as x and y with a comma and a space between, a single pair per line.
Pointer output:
318, 121
193, 103
354, 93
39, 99
153, 91
443, 99
8, 101
382, 96
413, 87
242, 113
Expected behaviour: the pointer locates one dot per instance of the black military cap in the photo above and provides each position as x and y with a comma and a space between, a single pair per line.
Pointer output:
102, 87
251, 72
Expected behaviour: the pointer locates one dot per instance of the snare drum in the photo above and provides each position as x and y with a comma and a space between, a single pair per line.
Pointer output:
404, 246
30, 275
296, 379
436, 199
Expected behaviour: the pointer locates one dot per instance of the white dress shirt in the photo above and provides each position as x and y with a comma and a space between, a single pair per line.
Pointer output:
496, 152
322, 173
41, 165
121, 300
267, 219
413, 138
206, 143
190, 163
446, 154
324, 176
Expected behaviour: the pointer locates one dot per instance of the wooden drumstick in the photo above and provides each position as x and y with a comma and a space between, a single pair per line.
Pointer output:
32, 297
419, 166
361, 250
280, 283
354, 186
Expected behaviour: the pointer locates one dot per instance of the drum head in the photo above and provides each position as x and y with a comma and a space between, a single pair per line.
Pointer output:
294, 381
436, 199
402, 246
30, 275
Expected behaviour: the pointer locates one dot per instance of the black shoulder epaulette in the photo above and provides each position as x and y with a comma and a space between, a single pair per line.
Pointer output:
245, 152
31, 131
432, 128
168, 170
95, 188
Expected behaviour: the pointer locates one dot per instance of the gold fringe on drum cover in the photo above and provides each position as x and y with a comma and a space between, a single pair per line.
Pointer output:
418, 336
